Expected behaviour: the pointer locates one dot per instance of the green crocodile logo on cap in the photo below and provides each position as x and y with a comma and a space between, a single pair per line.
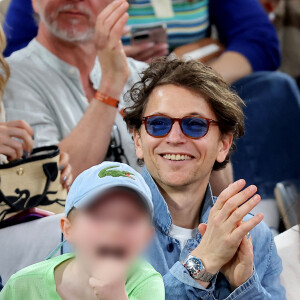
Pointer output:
115, 173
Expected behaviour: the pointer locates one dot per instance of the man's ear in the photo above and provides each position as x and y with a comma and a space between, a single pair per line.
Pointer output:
224, 146
65, 225
138, 144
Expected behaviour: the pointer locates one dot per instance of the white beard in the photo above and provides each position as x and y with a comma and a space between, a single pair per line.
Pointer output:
70, 34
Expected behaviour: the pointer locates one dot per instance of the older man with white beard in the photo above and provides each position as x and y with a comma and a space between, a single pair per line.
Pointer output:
67, 82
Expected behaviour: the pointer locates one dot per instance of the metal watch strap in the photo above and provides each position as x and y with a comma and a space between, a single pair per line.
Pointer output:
202, 274
205, 276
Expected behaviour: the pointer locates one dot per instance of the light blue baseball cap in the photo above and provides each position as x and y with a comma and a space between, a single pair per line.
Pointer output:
97, 180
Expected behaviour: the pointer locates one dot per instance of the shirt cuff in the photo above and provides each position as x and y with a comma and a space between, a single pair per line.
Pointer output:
242, 290
182, 274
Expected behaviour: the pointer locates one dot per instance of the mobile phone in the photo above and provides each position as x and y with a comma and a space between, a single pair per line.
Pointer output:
156, 35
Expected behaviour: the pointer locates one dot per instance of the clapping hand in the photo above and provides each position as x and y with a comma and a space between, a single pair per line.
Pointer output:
240, 268
224, 246
109, 30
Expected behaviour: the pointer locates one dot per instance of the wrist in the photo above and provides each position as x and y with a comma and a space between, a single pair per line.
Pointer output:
209, 263
111, 90
104, 98
234, 284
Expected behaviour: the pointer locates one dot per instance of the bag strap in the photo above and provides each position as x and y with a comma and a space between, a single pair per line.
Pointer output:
51, 172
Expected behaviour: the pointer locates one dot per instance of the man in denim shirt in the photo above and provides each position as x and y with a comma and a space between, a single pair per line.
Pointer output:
185, 120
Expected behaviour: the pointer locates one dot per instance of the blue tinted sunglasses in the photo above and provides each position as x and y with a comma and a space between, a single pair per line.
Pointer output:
192, 126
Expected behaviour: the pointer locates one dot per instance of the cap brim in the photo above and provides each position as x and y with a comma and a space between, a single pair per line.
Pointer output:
91, 196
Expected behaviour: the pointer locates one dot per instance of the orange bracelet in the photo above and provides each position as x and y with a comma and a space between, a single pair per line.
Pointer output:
106, 99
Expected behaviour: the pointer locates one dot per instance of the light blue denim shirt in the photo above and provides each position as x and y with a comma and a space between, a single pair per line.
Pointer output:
165, 255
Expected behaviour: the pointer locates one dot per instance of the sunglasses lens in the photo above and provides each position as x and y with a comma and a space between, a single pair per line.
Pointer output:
194, 127
158, 125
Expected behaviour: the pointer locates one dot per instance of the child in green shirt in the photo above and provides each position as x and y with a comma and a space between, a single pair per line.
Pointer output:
108, 222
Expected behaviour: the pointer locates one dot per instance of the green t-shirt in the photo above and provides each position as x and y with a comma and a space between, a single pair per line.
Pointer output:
37, 282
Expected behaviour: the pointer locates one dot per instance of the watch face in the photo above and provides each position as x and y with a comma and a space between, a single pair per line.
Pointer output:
194, 265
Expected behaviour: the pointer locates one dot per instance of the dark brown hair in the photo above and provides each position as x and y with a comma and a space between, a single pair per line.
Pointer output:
197, 78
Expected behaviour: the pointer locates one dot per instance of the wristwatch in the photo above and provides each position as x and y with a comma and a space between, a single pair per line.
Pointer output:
196, 269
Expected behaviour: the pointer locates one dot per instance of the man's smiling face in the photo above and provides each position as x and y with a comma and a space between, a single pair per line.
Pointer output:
177, 160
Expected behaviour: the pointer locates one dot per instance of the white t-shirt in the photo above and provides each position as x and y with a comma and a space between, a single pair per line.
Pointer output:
182, 234
288, 247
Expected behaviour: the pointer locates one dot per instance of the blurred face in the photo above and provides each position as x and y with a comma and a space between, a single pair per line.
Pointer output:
117, 225
70, 20
196, 156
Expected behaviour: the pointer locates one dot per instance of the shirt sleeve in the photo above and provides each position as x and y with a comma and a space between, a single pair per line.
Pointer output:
180, 285
23, 101
244, 27
152, 288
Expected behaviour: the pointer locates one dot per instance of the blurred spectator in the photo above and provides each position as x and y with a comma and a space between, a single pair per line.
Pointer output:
242, 26
55, 78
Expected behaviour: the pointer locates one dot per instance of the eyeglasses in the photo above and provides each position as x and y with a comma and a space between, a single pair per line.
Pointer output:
192, 126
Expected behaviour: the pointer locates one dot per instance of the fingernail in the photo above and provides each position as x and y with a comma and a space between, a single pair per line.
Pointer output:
248, 235
65, 179
61, 167
127, 29
241, 182
256, 198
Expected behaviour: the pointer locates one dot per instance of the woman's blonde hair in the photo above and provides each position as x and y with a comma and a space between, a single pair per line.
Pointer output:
4, 68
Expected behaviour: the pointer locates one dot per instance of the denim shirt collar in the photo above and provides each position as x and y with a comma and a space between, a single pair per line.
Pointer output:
162, 216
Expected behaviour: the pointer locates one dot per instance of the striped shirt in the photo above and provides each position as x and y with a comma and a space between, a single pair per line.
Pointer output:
189, 24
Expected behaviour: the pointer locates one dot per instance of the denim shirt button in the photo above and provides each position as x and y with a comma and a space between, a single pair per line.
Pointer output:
170, 247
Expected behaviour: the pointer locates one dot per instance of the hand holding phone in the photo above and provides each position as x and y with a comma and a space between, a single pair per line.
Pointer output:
147, 43
146, 51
